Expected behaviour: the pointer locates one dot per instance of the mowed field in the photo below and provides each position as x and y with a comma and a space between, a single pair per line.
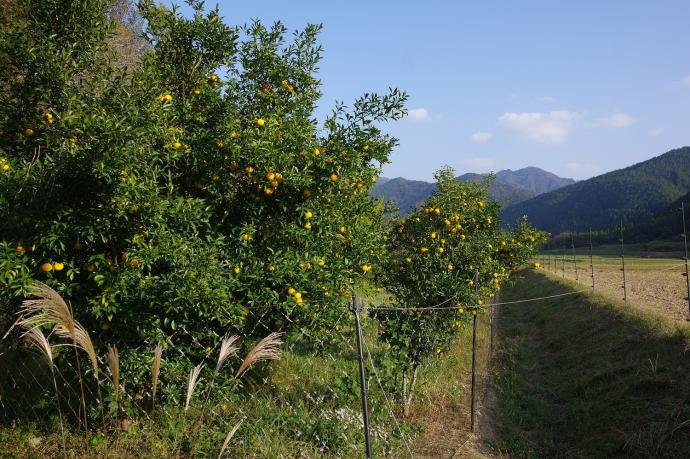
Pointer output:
654, 284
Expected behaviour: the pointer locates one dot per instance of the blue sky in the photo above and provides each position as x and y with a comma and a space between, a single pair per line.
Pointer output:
577, 88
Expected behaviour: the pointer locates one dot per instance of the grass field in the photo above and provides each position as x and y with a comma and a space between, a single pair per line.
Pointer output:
308, 405
653, 284
585, 376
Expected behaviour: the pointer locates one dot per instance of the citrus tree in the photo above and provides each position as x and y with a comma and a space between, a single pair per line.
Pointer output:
191, 191
450, 254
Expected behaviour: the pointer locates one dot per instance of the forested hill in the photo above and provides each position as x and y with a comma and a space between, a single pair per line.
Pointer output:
533, 179
632, 194
408, 194
509, 187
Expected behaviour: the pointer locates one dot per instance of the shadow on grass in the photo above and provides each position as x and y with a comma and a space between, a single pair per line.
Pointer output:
580, 376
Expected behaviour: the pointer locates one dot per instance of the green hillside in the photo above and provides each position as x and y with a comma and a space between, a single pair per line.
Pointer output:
631, 194
533, 179
509, 187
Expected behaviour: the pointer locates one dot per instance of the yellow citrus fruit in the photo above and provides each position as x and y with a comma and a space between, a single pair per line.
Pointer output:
321, 262
450, 266
249, 169
46, 267
133, 262
196, 91
333, 178
5, 167
270, 176
306, 193
440, 250
59, 266
291, 291
28, 132
237, 270
213, 79
307, 225
297, 295
260, 122
177, 145
423, 249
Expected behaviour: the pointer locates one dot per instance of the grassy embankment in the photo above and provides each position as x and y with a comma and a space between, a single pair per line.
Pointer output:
308, 406
586, 376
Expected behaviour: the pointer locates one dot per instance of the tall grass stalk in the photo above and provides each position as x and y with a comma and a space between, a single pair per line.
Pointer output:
155, 374
37, 340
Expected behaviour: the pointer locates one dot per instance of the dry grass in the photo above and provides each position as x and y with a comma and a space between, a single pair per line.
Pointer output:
192, 383
114, 364
654, 285
156, 373
267, 349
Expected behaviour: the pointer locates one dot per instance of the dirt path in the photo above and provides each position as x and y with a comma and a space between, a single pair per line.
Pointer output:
448, 432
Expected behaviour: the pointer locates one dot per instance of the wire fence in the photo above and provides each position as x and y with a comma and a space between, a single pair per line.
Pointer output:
322, 380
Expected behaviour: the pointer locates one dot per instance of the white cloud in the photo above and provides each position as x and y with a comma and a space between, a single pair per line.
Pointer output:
476, 164
657, 131
582, 170
418, 114
545, 127
481, 136
618, 120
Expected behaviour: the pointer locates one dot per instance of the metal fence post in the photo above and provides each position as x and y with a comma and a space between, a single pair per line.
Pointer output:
362, 375
625, 287
572, 244
591, 258
474, 351
685, 241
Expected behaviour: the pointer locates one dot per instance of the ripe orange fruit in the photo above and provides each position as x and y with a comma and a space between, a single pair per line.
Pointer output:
46, 267
213, 79
28, 132
20, 249
133, 262
270, 176
268, 191
306, 193
333, 178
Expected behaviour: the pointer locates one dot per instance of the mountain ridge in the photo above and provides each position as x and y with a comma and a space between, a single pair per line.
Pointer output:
509, 187
630, 194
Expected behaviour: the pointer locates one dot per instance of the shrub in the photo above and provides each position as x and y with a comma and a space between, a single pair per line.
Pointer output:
450, 254
187, 192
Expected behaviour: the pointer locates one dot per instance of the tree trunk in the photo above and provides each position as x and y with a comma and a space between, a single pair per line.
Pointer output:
404, 393
412, 384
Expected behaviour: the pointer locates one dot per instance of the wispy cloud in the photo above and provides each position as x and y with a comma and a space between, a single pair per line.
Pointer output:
685, 81
477, 164
657, 131
544, 127
582, 170
618, 120
418, 114
481, 136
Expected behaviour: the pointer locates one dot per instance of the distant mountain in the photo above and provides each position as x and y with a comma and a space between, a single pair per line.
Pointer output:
534, 179
509, 187
631, 194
